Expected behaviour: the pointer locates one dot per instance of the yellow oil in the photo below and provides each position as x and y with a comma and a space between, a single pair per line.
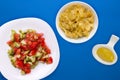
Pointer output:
105, 54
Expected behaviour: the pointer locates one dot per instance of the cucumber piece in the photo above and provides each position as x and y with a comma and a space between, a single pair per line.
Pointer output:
46, 56
34, 65
30, 30
43, 51
30, 59
38, 54
26, 52
23, 42
10, 52
12, 35
16, 44
25, 61
22, 34
30, 63
17, 56
40, 49
13, 59
22, 72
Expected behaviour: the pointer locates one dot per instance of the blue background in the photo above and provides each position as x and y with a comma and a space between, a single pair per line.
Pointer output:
76, 62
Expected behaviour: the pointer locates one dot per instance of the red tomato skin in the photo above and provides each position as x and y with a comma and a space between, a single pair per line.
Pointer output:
27, 65
16, 37
47, 50
22, 56
32, 52
10, 42
39, 35
29, 42
41, 40
18, 51
33, 45
24, 47
27, 68
19, 64
43, 59
49, 60
15, 49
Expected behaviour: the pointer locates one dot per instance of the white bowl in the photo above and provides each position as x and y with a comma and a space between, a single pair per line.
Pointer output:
41, 70
80, 40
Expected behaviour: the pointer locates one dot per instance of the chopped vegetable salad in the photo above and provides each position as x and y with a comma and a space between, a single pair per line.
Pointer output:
27, 49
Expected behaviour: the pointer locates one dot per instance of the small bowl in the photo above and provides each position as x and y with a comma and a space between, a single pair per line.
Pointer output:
110, 45
83, 39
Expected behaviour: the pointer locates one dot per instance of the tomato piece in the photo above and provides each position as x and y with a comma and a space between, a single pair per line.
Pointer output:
24, 47
47, 50
22, 56
27, 65
29, 42
36, 37
16, 37
19, 64
30, 36
26, 70
10, 42
39, 35
27, 35
15, 49
41, 40
33, 52
49, 60
33, 45
43, 59
18, 51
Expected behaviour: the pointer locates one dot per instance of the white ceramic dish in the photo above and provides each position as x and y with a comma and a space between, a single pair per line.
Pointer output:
41, 70
110, 45
80, 40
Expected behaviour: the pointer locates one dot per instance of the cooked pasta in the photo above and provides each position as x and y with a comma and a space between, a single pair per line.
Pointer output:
76, 21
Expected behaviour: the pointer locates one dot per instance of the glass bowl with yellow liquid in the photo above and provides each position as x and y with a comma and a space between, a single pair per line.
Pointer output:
105, 53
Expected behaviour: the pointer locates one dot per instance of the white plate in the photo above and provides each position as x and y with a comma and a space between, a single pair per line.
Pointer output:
80, 40
41, 70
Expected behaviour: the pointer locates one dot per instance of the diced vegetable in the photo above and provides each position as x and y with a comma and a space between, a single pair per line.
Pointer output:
10, 52
49, 60
16, 44
22, 72
23, 42
12, 35
16, 37
27, 49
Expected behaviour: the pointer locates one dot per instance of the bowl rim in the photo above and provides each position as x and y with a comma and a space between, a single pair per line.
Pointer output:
80, 40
